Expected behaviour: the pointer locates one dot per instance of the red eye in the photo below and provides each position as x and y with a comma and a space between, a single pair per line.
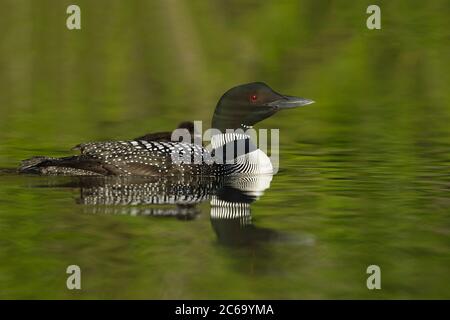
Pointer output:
254, 97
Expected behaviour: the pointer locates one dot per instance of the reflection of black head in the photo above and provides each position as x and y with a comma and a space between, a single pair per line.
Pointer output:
247, 104
233, 232
230, 194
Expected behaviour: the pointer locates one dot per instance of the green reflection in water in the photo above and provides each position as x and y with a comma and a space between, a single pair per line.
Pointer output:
364, 171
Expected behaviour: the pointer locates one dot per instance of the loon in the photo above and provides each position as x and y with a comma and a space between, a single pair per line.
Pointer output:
240, 107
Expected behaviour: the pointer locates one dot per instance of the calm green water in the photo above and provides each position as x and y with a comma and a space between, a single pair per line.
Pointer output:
365, 172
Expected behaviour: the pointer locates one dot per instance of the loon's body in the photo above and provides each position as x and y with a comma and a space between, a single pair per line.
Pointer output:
155, 154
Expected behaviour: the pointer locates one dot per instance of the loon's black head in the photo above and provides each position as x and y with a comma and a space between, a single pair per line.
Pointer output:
247, 104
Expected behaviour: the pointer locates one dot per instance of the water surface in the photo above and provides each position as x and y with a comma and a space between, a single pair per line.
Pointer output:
365, 172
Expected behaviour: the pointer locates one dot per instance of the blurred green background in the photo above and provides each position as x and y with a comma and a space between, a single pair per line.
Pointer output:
365, 172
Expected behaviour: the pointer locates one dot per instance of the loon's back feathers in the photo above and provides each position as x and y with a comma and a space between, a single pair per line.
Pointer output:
146, 155
124, 158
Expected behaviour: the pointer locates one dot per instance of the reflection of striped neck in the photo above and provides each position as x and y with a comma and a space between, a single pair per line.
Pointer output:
224, 210
238, 152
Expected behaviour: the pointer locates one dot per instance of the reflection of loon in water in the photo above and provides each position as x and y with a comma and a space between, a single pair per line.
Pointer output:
230, 199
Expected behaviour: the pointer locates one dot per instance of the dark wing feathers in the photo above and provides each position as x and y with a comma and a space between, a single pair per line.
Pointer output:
75, 165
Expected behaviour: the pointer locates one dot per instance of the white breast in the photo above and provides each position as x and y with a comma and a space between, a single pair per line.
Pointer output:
255, 162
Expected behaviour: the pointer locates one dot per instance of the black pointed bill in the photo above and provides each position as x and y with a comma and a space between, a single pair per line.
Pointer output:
288, 102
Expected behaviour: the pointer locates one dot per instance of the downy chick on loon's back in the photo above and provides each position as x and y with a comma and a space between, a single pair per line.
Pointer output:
239, 108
